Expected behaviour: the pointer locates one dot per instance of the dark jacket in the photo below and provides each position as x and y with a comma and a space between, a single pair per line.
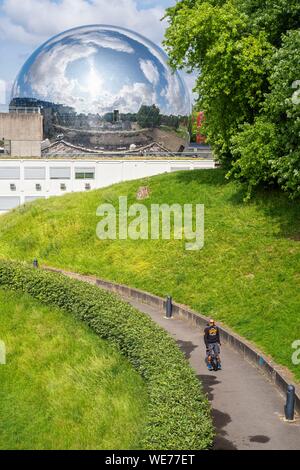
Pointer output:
211, 335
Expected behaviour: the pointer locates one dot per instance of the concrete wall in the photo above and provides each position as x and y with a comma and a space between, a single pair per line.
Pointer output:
25, 148
21, 127
22, 133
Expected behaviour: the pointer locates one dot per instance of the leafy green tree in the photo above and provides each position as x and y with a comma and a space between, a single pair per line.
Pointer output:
269, 150
148, 116
213, 38
254, 148
128, 117
283, 108
171, 121
275, 17
246, 53
109, 117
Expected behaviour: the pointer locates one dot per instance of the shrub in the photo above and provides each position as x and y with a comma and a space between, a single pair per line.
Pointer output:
178, 415
254, 149
268, 150
246, 57
282, 108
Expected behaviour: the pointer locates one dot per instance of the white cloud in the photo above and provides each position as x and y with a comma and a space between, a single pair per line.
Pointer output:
150, 71
98, 38
172, 93
94, 96
102, 40
190, 81
57, 61
15, 32
34, 21
129, 98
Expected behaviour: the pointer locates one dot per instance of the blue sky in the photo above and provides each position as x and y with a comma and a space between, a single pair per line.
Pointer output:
25, 24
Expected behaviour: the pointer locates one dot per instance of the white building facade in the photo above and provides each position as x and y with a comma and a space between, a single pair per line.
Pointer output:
24, 180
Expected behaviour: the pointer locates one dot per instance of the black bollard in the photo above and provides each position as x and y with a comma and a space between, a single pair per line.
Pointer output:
35, 263
169, 307
289, 408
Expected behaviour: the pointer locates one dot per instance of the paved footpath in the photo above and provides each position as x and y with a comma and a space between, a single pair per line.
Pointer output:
247, 409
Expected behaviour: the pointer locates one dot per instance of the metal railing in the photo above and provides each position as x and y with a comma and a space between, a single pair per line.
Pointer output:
158, 155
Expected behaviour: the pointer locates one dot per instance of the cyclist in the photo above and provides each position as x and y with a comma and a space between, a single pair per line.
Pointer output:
212, 343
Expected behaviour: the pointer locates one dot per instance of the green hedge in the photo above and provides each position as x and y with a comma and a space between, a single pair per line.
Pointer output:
178, 414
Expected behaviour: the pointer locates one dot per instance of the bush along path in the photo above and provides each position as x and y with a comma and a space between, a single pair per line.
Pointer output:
247, 409
178, 414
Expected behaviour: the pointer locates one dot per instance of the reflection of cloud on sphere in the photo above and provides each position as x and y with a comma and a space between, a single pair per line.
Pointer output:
95, 69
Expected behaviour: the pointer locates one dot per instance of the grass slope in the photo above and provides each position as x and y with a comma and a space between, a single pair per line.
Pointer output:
62, 386
247, 274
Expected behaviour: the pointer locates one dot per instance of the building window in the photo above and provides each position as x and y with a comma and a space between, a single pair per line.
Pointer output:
34, 173
13, 187
84, 173
9, 173
38, 187
9, 202
87, 186
63, 187
60, 173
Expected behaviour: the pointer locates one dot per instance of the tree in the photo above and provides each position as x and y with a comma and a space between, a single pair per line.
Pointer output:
246, 53
214, 38
109, 117
170, 120
282, 107
269, 150
275, 17
148, 116
254, 148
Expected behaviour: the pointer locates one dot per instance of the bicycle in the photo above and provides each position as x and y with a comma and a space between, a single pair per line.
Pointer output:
213, 359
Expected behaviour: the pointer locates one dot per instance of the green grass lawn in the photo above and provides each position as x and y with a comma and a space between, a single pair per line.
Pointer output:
62, 386
247, 275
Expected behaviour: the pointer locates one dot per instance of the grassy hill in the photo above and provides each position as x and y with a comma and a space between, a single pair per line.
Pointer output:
62, 386
247, 275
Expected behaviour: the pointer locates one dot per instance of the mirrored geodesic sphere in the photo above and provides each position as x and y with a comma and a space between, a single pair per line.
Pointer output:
100, 77
96, 69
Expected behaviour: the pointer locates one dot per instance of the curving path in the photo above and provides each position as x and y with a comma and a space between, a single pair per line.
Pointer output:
247, 409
